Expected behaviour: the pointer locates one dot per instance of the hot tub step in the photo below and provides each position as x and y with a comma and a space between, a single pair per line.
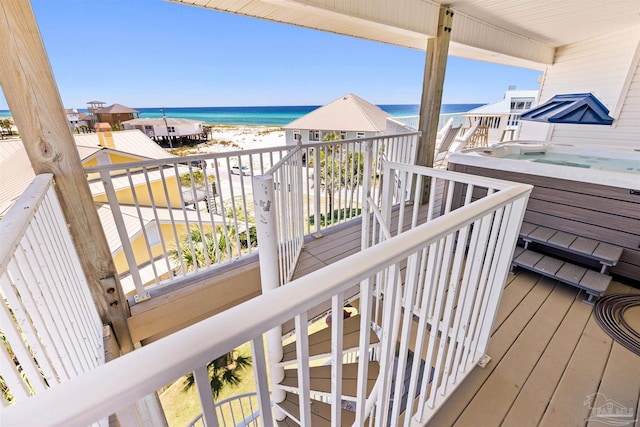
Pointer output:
594, 283
606, 254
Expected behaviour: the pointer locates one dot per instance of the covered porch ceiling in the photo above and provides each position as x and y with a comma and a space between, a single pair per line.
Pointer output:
512, 32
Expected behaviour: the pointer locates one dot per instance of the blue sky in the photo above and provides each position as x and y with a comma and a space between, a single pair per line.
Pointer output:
151, 53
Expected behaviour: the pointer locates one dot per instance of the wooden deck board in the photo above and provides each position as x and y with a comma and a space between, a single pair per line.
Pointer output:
500, 342
534, 396
497, 394
580, 379
620, 381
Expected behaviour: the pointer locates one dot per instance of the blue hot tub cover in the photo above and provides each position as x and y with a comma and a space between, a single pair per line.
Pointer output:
577, 108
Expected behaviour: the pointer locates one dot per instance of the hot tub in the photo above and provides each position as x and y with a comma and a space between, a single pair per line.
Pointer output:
590, 192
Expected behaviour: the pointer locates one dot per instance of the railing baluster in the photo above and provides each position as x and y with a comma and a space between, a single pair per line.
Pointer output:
141, 293
496, 218
302, 353
260, 374
469, 286
337, 323
405, 328
201, 376
154, 209
366, 297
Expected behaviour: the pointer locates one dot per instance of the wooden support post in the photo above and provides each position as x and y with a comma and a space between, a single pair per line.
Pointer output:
434, 71
32, 94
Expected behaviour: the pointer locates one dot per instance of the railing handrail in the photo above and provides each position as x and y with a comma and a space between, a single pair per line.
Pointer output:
17, 219
283, 160
463, 178
185, 159
208, 156
123, 381
347, 141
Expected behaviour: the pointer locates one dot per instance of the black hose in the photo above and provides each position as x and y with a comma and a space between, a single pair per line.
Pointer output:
609, 313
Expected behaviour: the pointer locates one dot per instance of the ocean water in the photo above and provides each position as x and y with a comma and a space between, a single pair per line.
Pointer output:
268, 116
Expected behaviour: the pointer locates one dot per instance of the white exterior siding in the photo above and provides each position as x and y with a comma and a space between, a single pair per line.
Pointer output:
304, 133
179, 129
607, 67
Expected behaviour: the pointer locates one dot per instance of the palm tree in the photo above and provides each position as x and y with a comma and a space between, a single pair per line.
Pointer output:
194, 248
225, 371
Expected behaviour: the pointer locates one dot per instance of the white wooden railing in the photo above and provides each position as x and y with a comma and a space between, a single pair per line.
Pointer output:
456, 266
285, 179
160, 215
464, 272
189, 214
50, 328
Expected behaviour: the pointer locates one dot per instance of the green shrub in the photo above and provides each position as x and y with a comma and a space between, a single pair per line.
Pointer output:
338, 214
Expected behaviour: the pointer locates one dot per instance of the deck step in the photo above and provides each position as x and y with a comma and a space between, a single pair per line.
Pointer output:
592, 282
604, 253
320, 413
320, 378
320, 342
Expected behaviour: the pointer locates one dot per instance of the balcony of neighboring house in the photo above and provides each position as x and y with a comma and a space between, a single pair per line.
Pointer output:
288, 246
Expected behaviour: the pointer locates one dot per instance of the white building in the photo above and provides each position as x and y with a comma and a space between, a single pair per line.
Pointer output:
165, 127
349, 116
501, 119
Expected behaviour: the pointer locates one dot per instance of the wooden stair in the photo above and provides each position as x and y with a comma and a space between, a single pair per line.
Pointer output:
320, 413
320, 376
566, 245
320, 344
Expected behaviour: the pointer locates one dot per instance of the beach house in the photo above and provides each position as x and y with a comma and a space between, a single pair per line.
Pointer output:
181, 129
440, 332
114, 114
348, 117
111, 148
499, 121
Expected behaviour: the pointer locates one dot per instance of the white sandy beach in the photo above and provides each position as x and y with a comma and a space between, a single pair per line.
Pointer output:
244, 138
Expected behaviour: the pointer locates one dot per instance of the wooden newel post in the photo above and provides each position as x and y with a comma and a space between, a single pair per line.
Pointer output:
32, 94
434, 71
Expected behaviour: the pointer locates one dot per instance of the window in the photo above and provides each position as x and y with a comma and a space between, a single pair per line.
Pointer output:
343, 135
314, 135
171, 129
359, 134
520, 104
296, 135
153, 235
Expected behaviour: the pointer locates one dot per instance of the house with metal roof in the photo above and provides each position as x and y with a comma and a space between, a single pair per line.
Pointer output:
500, 120
165, 127
348, 116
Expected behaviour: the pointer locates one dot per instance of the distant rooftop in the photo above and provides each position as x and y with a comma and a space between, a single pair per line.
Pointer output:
161, 122
504, 105
347, 113
116, 109
15, 167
